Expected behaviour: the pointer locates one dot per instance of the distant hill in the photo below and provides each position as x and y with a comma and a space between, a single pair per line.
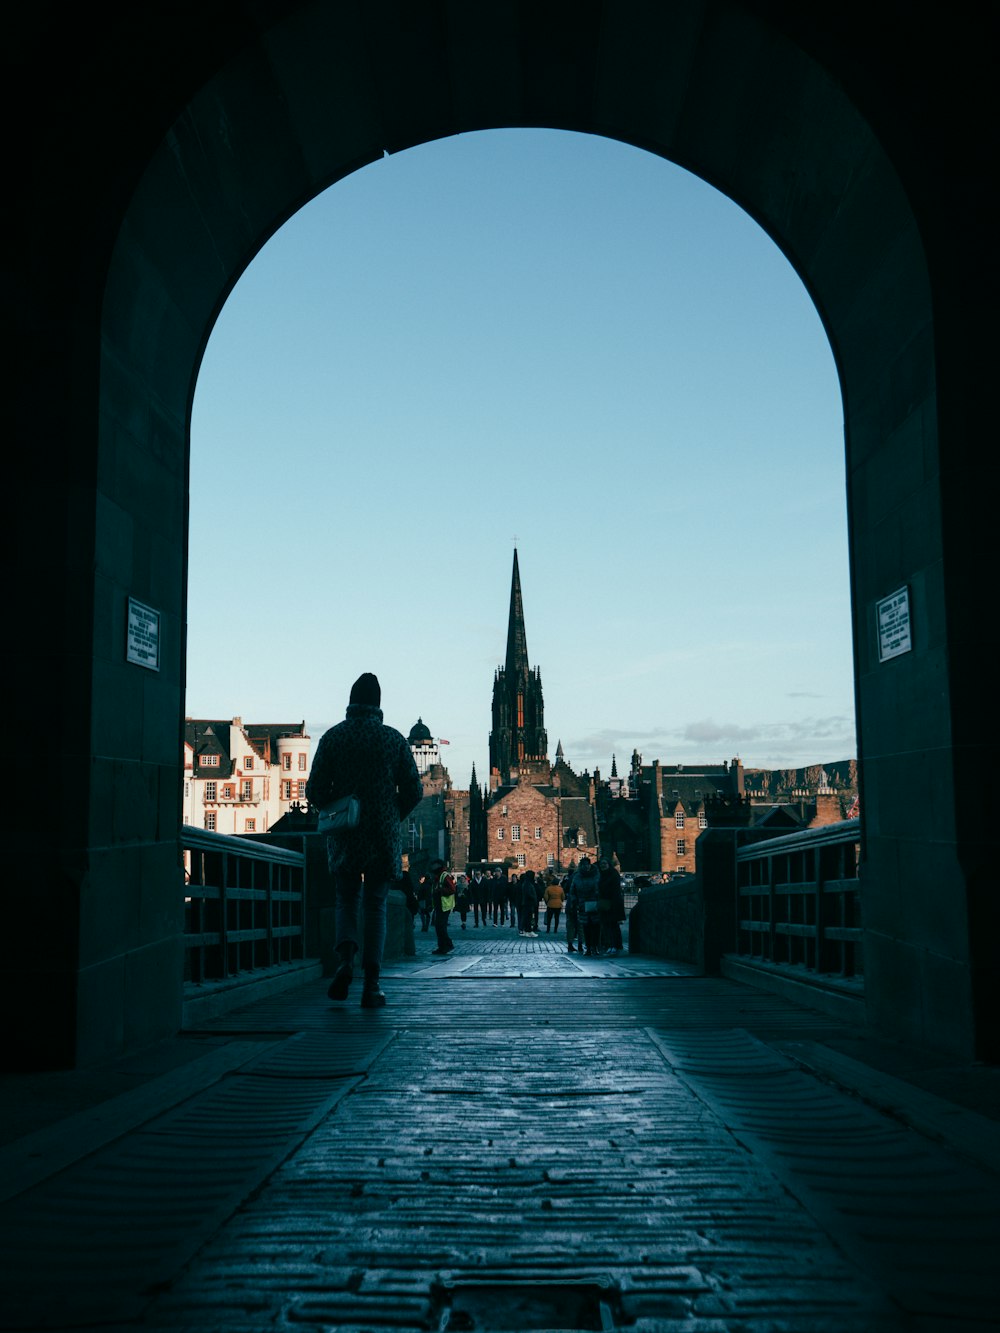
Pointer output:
841, 775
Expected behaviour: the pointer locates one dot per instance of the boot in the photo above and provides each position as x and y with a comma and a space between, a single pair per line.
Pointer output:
372, 996
343, 974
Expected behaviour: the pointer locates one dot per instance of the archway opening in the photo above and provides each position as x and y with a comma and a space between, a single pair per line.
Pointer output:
542, 336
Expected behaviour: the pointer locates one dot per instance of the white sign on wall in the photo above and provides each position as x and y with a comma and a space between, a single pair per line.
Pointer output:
143, 643
892, 617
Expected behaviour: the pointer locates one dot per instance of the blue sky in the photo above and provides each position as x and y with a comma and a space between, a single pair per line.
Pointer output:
546, 336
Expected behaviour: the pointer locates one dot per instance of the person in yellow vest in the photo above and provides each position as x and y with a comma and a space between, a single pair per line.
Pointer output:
444, 905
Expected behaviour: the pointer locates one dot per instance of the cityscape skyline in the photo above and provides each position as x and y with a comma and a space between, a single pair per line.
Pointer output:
545, 335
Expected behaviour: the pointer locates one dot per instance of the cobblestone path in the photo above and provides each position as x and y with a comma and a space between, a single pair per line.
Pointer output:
515, 1146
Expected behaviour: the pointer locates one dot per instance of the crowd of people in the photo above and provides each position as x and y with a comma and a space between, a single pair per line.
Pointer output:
590, 899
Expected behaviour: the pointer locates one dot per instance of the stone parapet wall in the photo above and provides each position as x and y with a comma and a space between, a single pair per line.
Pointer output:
668, 921
693, 919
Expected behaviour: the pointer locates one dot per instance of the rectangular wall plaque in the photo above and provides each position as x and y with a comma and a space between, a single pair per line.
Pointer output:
892, 616
143, 646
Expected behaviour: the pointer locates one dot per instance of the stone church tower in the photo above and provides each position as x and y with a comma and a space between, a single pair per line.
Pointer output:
518, 744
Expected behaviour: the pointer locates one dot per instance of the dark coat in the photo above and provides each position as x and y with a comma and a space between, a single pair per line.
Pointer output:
363, 757
584, 888
610, 895
529, 893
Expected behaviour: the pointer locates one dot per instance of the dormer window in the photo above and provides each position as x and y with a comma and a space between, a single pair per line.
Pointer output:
679, 819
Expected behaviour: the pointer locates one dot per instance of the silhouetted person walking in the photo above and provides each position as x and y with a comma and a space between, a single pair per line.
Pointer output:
611, 907
529, 902
585, 894
363, 757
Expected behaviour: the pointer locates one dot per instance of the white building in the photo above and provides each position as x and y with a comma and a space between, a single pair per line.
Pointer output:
241, 778
423, 746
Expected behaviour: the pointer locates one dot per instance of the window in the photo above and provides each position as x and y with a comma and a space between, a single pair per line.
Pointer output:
250, 825
581, 838
227, 792
209, 761
248, 762
286, 762
503, 810
246, 790
681, 847
538, 830
702, 819
209, 791
515, 832
520, 858
286, 791
302, 763
499, 835
210, 820
187, 789
679, 819
551, 860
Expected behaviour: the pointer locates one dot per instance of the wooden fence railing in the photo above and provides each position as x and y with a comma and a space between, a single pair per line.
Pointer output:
244, 905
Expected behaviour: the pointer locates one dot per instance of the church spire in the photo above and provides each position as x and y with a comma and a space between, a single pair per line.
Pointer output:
517, 640
517, 740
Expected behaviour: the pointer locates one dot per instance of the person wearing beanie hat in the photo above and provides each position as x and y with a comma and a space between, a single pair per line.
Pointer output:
363, 757
366, 690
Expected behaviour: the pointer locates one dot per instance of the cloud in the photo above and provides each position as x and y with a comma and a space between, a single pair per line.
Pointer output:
778, 744
712, 732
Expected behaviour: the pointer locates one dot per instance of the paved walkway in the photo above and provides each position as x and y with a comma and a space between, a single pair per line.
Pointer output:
522, 1140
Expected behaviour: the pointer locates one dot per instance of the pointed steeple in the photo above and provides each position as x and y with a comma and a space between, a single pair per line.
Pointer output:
614, 767
517, 740
517, 640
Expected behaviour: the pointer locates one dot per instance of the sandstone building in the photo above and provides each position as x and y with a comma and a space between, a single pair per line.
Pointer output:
652, 820
242, 777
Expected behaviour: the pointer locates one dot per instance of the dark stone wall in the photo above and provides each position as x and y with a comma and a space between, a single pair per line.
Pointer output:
159, 159
668, 921
692, 919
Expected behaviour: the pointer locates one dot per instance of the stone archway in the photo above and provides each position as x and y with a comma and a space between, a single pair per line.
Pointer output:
275, 113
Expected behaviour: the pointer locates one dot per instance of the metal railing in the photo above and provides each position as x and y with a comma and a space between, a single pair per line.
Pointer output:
798, 900
244, 905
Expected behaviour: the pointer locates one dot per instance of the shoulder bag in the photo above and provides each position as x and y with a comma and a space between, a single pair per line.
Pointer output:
340, 815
